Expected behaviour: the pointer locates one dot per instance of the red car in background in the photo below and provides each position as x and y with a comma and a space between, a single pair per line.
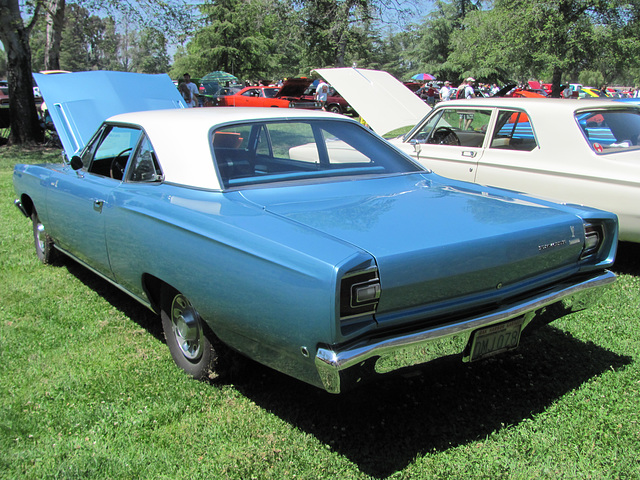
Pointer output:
254, 97
289, 95
335, 102
513, 90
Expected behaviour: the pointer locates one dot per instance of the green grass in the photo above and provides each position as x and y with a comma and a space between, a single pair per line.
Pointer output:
88, 390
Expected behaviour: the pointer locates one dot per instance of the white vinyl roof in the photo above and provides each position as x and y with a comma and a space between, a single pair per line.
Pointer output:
181, 138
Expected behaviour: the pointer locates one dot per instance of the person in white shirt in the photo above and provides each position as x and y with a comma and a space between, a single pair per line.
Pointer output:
445, 92
190, 91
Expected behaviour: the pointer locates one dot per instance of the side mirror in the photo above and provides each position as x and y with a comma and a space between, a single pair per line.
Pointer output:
76, 162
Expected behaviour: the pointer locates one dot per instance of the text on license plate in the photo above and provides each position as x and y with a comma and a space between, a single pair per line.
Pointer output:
497, 338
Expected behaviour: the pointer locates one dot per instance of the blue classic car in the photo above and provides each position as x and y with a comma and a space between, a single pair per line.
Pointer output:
301, 239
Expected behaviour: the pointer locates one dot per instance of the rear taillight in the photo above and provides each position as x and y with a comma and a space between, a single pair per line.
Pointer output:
593, 238
359, 293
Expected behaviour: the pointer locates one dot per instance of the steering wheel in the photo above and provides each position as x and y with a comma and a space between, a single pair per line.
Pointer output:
118, 164
444, 136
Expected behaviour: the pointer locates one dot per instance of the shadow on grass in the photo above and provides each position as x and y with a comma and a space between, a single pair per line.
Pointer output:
383, 426
628, 259
120, 300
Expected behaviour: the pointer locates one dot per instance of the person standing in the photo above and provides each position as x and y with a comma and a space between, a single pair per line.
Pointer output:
322, 93
190, 91
445, 92
468, 89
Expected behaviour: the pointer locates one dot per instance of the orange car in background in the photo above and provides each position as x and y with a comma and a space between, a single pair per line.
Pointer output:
286, 96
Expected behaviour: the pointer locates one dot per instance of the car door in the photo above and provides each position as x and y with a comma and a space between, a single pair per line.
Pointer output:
451, 141
77, 200
512, 157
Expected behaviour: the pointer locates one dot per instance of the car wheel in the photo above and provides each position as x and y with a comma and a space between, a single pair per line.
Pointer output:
45, 250
185, 333
335, 109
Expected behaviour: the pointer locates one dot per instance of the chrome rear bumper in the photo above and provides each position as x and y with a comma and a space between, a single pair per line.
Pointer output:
342, 365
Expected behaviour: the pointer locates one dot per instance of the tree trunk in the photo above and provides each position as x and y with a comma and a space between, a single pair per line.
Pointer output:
54, 19
25, 127
556, 87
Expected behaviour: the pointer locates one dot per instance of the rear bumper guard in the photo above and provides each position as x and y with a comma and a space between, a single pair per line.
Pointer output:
342, 365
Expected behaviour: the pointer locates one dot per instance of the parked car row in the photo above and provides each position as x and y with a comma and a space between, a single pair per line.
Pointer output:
302, 239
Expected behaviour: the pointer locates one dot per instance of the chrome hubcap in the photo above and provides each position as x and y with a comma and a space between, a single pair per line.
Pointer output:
40, 235
187, 329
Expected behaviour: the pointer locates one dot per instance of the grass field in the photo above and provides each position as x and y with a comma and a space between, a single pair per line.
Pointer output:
88, 390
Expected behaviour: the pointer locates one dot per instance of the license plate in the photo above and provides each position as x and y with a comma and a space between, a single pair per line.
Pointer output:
495, 339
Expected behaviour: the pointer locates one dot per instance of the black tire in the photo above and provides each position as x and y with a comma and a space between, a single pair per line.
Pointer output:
187, 336
45, 250
335, 109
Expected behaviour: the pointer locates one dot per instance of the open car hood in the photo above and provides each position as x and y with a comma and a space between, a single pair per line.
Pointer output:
378, 97
79, 102
294, 87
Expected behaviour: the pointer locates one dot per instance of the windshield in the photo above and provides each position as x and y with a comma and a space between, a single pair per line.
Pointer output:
265, 152
271, 92
610, 131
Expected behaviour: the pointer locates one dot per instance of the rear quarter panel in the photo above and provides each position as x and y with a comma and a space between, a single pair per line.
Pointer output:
239, 265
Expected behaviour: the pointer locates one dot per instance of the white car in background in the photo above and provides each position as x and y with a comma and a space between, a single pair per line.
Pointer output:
568, 151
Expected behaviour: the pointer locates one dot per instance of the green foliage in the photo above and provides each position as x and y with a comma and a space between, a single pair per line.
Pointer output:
3, 64
519, 40
237, 38
335, 29
89, 42
149, 53
591, 78
89, 390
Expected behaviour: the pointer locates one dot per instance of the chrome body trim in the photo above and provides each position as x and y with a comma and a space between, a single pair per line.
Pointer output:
399, 351
137, 298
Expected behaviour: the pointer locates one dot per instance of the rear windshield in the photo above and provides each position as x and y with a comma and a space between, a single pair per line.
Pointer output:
266, 152
609, 131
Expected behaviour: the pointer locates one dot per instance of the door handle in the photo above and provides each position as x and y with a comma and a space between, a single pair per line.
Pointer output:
97, 205
469, 153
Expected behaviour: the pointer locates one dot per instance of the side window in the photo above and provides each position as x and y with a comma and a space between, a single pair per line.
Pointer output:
464, 127
144, 164
513, 132
110, 152
281, 135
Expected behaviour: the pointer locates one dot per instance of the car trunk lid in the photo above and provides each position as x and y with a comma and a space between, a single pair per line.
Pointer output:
439, 247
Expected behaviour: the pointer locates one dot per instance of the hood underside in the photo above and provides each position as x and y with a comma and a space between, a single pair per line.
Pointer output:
79, 102
379, 98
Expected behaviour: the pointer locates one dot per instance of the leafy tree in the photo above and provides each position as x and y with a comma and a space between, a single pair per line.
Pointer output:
431, 45
551, 39
3, 64
168, 16
150, 53
14, 34
333, 29
238, 38
388, 54
54, 21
